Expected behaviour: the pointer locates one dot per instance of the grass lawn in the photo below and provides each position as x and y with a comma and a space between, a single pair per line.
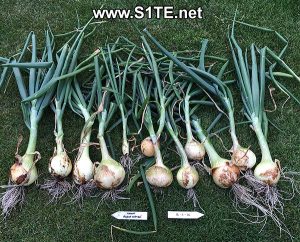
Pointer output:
40, 221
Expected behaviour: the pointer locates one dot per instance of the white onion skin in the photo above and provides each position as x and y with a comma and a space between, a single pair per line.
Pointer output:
109, 174
226, 174
159, 175
60, 165
23, 171
147, 147
187, 177
194, 150
83, 170
125, 147
243, 158
268, 172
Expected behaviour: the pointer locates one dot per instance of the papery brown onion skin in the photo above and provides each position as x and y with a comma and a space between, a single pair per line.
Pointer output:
23, 171
243, 158
268, 172
226, 174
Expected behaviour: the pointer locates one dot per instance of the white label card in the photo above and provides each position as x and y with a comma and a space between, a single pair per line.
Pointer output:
130, 215
184, 215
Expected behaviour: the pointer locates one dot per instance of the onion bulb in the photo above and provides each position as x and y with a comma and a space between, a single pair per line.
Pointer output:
243, 158
194, 150
109, 174
83, 170
60, 165
268, 172
23, 171
187, 176
147, 147
159, 175
226, 174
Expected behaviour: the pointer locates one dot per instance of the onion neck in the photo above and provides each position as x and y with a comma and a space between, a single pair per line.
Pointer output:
102, 119
85, 114
265, 151
158, 156
235, 142
152, 133
125, 145
28, 158
183, 156
85, 149
189, 132
85, 134
162, 118
214, 157
153, 136
59, 130
104, 151
31, 148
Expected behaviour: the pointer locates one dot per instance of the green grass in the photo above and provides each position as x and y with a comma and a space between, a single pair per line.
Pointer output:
39, 221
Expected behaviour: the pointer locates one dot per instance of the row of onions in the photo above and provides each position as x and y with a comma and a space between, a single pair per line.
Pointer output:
156, 94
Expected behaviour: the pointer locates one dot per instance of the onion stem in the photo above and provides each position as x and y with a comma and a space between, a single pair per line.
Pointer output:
104, 151
235, 142
180, 149
158, 156
31, 148
103, 147
86, 133
125, 144
214, 158
266, 154
187, 119
59, 128
118, 87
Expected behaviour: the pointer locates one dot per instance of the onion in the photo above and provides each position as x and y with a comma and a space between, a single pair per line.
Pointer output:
159, 175
187, 176
194, 150
226, 174
268, 172
109, 174
83, 170
147, 147
60, 165
23, 171
243, 158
